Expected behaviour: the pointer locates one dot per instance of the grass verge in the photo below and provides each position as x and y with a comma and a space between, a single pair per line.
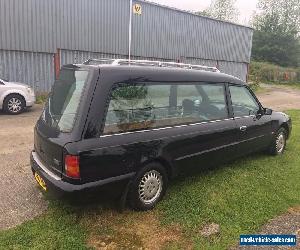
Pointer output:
240, 197
256, 88
59, 228
41, 98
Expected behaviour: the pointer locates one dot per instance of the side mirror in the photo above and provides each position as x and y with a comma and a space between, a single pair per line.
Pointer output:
268, 111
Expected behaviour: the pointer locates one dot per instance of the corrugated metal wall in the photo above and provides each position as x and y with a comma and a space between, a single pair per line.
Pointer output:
233, 68
239, 70
76, 56
102, 26
97, 28
167, 33
45, 25
35, 69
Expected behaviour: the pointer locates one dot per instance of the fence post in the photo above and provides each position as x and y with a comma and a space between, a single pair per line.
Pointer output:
57, 63
217, 65
248, 70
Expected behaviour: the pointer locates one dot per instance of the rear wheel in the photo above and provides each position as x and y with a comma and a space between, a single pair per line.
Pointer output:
148, 187
279, 143
14, 104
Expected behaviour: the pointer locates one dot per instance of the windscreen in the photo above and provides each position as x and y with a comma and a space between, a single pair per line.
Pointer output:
62, 106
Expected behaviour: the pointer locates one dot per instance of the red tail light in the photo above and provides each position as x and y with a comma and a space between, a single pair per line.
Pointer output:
72, 166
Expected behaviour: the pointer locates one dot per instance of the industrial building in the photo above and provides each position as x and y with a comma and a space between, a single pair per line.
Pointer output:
38, 36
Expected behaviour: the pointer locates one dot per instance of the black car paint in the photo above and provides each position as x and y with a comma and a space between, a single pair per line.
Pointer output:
111, 158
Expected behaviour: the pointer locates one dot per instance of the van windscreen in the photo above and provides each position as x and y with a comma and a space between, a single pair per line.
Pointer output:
61, 108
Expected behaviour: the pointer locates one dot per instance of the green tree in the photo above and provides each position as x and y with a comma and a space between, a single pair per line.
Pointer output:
286, 13
203, 13
222, 9
276, 35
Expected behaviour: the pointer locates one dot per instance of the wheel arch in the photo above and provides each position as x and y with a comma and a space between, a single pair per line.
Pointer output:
169, 167
286, 127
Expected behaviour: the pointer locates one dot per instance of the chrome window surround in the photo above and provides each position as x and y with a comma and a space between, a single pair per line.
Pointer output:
179, 126
246, 116
169, 127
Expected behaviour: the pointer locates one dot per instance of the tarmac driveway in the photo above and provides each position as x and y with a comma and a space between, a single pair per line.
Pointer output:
20, 197
280, 97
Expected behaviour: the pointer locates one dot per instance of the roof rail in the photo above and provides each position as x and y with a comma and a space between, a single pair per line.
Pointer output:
149, 63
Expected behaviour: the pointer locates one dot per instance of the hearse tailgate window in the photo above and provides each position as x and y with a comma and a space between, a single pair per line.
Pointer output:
64, 100
136, 107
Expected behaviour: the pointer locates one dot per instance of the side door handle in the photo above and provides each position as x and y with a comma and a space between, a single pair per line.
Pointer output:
243, 128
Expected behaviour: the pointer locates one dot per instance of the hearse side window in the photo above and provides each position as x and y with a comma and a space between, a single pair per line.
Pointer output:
243, 102
203, 102
138, 107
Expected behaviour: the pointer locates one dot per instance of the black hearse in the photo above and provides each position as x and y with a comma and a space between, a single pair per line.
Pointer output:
142, 122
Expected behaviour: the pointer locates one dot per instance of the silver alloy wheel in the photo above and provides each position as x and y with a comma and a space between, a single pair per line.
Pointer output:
150, 186
14, 105
280, 143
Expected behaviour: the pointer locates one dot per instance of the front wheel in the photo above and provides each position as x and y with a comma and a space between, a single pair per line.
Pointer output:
148, 187
279, 143
14, 104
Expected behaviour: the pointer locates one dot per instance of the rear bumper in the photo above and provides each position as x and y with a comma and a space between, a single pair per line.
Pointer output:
58, 187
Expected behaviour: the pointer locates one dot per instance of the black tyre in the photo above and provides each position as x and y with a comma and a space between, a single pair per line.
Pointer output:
14, 104
279, 142
148, 187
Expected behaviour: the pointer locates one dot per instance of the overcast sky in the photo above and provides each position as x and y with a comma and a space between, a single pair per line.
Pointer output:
245, 7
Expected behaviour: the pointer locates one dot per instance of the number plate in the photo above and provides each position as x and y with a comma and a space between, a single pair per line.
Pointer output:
40, 181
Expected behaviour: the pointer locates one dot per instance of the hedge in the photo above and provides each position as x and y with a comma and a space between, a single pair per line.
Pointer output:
266, 72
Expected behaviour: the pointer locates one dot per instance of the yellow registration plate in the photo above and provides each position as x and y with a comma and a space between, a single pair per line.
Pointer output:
40, 181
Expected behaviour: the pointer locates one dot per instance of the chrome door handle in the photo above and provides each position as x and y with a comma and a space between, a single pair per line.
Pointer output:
243, 128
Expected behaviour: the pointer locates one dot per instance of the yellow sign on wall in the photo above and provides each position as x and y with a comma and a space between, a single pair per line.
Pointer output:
137, 9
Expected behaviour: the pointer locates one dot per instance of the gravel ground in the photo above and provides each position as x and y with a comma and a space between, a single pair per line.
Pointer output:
288, 223
280, 97
20, 197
